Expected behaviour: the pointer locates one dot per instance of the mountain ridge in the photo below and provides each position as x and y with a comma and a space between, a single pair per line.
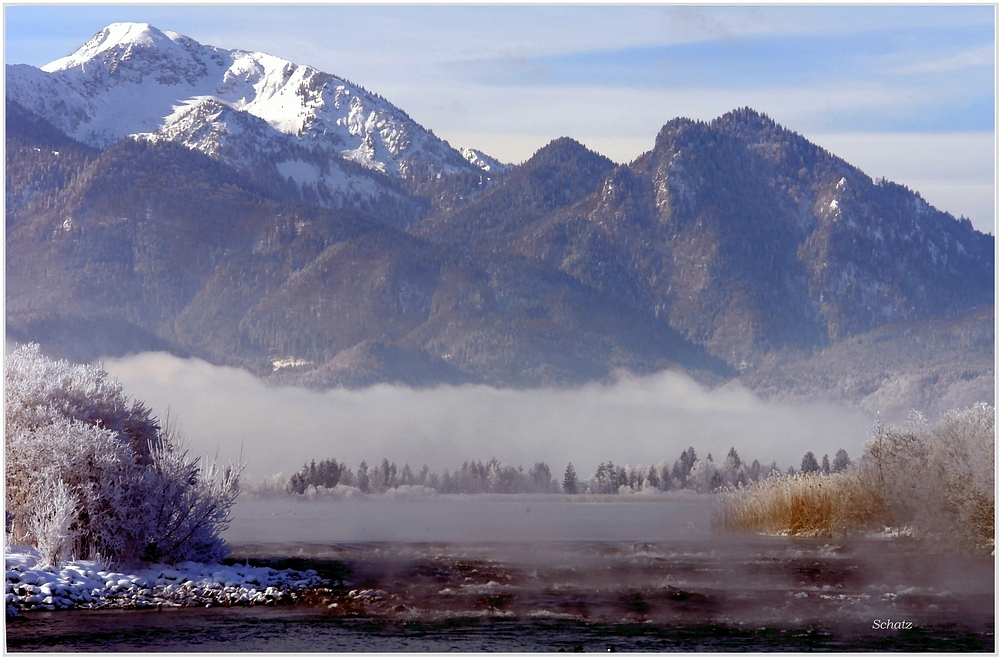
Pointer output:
134, 80
268, 241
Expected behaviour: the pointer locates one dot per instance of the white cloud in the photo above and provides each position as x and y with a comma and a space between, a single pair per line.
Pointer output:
945, 156
635, 420
981, 56
622, 112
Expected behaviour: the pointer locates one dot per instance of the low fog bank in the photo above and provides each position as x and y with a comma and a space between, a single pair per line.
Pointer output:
635, 420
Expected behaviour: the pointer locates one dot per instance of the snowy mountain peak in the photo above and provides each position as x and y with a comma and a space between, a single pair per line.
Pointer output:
134, 79
117, 39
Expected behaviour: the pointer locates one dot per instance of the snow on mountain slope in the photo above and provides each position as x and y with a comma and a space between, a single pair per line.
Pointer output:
123, 81
118, 40
220, 131
485, 162
132, 78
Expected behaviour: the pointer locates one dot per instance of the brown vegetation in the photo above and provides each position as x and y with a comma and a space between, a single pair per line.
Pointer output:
937, 481
807, 504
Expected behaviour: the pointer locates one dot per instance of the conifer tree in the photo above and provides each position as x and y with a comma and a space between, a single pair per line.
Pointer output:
569, 479
841, 462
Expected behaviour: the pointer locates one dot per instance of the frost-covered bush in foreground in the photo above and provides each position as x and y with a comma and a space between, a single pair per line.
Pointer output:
939, 478
936, 480
90, 474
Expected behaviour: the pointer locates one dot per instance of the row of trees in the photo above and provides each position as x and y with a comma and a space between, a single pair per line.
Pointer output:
687, 472
473, 477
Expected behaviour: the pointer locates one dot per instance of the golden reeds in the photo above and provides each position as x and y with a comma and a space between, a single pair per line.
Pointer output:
805, 504
935, 480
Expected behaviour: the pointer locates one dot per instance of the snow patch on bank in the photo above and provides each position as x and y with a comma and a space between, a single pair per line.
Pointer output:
89, 584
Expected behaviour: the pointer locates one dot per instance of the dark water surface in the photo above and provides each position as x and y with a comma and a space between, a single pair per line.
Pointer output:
467, 575
291, 630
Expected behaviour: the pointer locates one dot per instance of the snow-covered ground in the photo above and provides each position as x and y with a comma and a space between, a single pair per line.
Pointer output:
87, 584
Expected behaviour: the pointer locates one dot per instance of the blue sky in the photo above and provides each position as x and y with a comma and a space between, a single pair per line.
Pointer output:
905, 92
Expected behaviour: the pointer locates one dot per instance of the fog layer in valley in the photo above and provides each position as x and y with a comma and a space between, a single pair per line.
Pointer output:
631, 421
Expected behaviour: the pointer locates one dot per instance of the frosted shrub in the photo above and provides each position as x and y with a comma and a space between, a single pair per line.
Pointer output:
50, 523
189, 506
91, 475
964, 456
37, 390
939, 479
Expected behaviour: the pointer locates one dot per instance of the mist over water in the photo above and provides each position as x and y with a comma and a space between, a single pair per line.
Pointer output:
504, 519
634, 420
530, 572
517, 573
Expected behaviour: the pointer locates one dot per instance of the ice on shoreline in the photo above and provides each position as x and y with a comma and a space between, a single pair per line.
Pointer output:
90, 585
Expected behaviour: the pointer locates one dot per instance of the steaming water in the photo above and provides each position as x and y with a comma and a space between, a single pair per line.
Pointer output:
477, 518
528, 574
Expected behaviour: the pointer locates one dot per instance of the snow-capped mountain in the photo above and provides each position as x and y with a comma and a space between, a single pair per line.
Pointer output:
167, 195
132, 79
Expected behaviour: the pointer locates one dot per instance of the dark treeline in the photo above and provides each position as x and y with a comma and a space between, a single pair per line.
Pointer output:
687, 472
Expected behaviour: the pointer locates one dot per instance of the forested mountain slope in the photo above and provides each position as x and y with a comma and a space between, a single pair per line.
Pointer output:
343, 244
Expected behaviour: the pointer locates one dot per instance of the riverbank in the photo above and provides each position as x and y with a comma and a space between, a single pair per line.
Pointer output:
84, 584
723, 593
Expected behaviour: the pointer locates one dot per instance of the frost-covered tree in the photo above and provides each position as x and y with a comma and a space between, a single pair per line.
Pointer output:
733, 471
841, 462
406, 476
327, 473
653, 478
91, 474
683, 465
383, 477
609, 478
704, 476
937, 478
364, 482
541, 477
666, 480
733, 461
809, 463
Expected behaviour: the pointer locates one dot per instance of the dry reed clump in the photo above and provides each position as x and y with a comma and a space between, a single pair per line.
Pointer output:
806, 504
935, 480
